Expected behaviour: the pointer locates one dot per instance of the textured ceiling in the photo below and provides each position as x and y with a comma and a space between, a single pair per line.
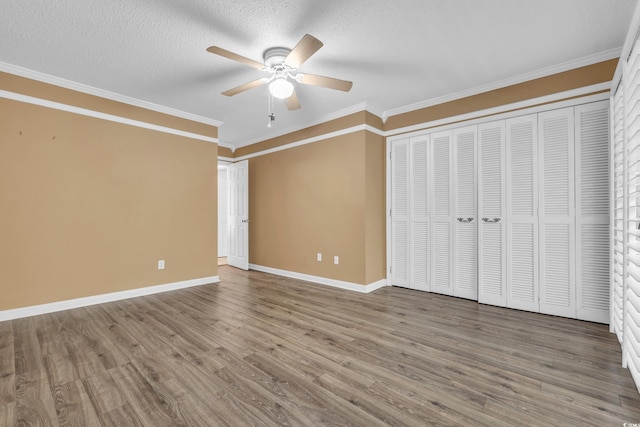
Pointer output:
396, 53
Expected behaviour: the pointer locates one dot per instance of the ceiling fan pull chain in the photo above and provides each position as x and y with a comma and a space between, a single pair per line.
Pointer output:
270, 113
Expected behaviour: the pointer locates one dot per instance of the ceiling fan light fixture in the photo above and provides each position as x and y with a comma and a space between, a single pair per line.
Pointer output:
281, 88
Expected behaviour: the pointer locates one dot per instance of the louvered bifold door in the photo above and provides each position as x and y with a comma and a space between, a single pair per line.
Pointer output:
522, 206
592, 211
465, 273
442, 211
492, 286
419, 214
400, 213
631, 303
619, 258
557, 212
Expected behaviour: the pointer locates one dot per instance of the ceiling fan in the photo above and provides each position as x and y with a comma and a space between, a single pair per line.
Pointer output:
282, 64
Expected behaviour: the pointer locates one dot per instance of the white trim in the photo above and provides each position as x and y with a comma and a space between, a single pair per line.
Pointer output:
53, 307
311, 140
544, 72
515, 109
226, 159
320, 120
225, 145
365, 289
579, 96
90, 90
96, 114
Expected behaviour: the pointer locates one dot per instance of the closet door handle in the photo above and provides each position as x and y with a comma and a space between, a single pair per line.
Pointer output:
465, 219
491, 220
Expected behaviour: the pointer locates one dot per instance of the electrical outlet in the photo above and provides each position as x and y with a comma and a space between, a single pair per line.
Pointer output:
319, 257
161, 264
336, 260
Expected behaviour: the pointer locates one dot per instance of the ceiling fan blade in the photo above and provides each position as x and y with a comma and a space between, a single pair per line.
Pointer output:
292, 102
236, 90
235, 57
303, 51
330, 82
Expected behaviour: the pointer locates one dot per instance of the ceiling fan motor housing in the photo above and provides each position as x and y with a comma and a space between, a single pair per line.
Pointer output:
274, 58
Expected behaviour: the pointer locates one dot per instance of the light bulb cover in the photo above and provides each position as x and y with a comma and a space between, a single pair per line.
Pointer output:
281, 88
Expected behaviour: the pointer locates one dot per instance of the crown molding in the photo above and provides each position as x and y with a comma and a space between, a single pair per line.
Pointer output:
311, 140
90, 90
583, 95
543, 72
103, 116
229, 146
326, 118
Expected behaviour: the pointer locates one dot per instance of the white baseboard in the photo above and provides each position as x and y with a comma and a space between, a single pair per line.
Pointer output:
365, 289
35, 310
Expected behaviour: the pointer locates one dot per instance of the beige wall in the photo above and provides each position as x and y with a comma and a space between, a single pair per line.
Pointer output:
375, 208
89, 206
225, 152
322, 197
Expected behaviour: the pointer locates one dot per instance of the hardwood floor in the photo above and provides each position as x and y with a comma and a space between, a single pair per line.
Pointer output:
258, 349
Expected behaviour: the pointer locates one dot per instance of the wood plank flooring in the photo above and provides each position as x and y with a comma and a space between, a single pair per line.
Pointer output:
258, 349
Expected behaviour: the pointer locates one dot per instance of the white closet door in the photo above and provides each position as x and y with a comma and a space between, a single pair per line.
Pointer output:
592, 211
492, 286
442, 213
465, 278
419, 215
400, 213
619, 214
522, 207
557, 213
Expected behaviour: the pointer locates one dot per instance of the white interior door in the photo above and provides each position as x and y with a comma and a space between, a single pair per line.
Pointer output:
399, 275
223, 212
592, 211
465, 280
557, 212
442, 213
419, 218
492, 286
239, 215
522, 207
